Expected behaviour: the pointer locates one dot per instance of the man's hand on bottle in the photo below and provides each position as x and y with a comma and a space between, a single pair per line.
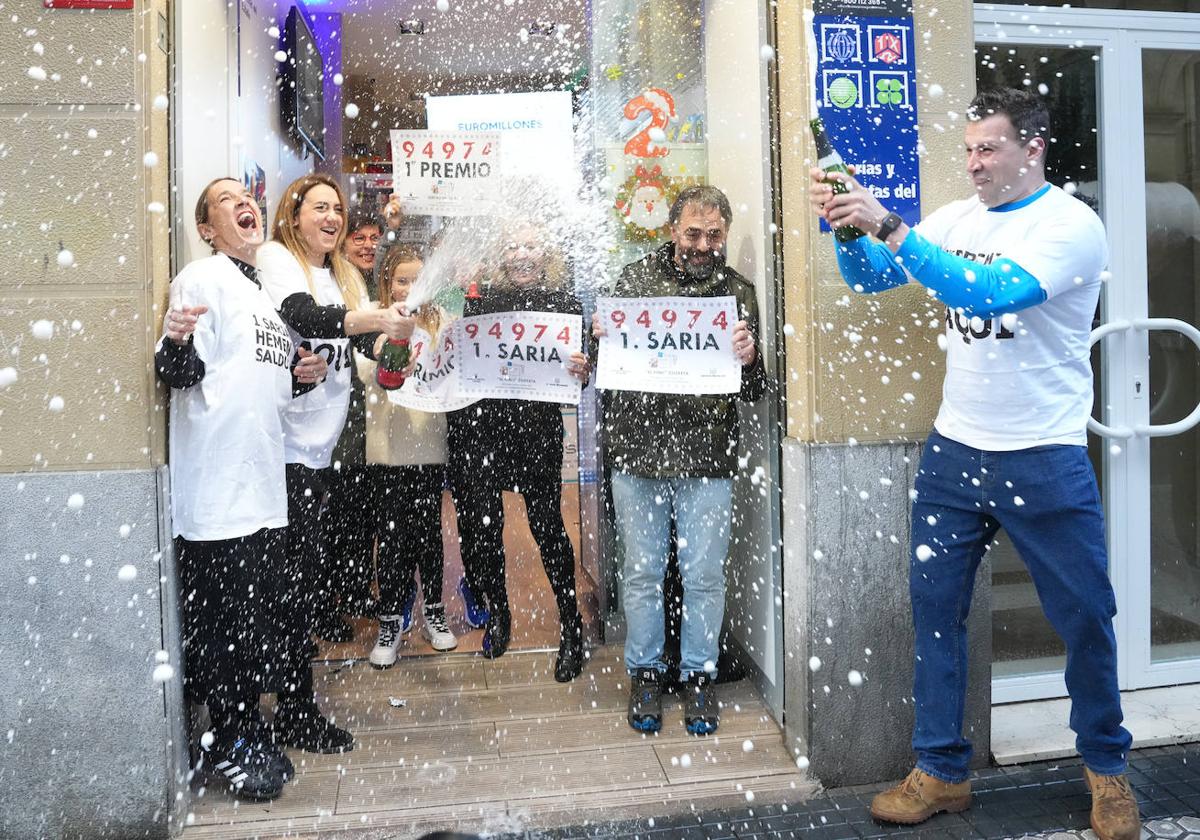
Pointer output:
179, 324
856, 207
743, 344
395, 322
311, 368
579, 367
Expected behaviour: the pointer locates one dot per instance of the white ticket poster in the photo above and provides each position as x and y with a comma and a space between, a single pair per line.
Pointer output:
519, 355
668, 345
446, 173
433, 383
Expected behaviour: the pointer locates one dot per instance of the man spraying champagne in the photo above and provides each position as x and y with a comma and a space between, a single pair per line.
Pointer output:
1018, 267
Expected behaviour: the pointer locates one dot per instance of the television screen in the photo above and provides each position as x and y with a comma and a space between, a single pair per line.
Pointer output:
302, 100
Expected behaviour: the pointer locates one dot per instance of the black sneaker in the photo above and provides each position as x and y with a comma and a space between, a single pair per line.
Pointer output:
569, 663
305, 728
260, 739
247, 772
334, 628
701, 712
645, 700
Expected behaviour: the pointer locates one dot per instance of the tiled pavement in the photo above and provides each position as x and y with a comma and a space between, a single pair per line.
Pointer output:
1048, 799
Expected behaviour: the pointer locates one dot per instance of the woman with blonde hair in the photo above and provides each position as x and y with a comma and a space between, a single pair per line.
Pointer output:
322, 299
496, 445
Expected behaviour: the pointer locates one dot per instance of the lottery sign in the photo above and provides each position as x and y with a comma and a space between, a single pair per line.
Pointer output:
668, 345
519, 355
866, 94
446, 173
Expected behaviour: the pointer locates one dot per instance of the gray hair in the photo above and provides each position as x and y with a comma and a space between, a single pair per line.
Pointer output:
706, 196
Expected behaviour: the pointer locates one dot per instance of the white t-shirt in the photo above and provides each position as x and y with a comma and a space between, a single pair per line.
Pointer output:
313, 422
1023, 379
227, 475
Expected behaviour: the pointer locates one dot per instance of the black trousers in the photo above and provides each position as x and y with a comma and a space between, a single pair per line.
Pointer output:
311, 592
479, 500
240, 638
404, 511
349, 538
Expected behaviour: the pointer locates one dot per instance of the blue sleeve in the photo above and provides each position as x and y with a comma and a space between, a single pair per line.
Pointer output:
974, 288
868, 266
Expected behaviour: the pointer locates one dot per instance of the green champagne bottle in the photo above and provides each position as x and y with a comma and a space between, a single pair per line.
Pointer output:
389, 374
829, 160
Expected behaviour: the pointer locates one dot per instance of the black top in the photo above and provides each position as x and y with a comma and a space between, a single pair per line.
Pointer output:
513, 437
302, 313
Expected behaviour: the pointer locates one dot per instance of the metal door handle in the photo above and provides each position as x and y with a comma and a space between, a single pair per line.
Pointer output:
1143, 430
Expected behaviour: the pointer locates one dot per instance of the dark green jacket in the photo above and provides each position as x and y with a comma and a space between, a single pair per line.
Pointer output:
674, 435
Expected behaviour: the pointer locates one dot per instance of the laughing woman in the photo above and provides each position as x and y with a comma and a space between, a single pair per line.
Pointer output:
322, 299
226, 355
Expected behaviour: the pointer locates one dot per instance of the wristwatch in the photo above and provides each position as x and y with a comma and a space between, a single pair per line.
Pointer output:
890, 222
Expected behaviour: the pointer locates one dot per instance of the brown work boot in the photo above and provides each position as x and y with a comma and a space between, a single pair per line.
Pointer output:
919, 797
1114, 807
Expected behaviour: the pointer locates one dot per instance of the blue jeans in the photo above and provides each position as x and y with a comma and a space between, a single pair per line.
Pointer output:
1046, 500
702, 508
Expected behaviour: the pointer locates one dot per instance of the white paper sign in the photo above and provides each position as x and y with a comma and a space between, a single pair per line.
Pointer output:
519, 355
446, 173
668, 345
433, 384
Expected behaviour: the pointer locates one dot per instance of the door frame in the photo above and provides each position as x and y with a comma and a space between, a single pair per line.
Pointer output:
1120, 37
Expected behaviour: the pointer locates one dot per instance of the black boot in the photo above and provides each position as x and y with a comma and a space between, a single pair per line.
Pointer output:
498, 633
701, 711
645, 700
569, 663
301, 725
333, 628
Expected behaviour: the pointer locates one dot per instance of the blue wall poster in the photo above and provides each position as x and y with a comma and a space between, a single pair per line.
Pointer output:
866, 94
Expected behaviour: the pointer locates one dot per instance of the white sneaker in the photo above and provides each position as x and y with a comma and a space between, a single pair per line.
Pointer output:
436, 629
387, 648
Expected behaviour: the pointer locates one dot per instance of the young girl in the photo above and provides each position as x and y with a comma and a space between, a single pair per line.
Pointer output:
406, 458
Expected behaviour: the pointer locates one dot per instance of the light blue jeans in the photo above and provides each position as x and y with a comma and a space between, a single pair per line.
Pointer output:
702, 508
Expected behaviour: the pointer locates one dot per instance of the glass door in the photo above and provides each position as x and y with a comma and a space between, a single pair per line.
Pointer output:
1163, 640
1125, 99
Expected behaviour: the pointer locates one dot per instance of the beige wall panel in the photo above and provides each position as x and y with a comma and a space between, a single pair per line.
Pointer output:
945, 37
843, 344
795, 150
94, 54
99, 371
91, 202
870, 347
